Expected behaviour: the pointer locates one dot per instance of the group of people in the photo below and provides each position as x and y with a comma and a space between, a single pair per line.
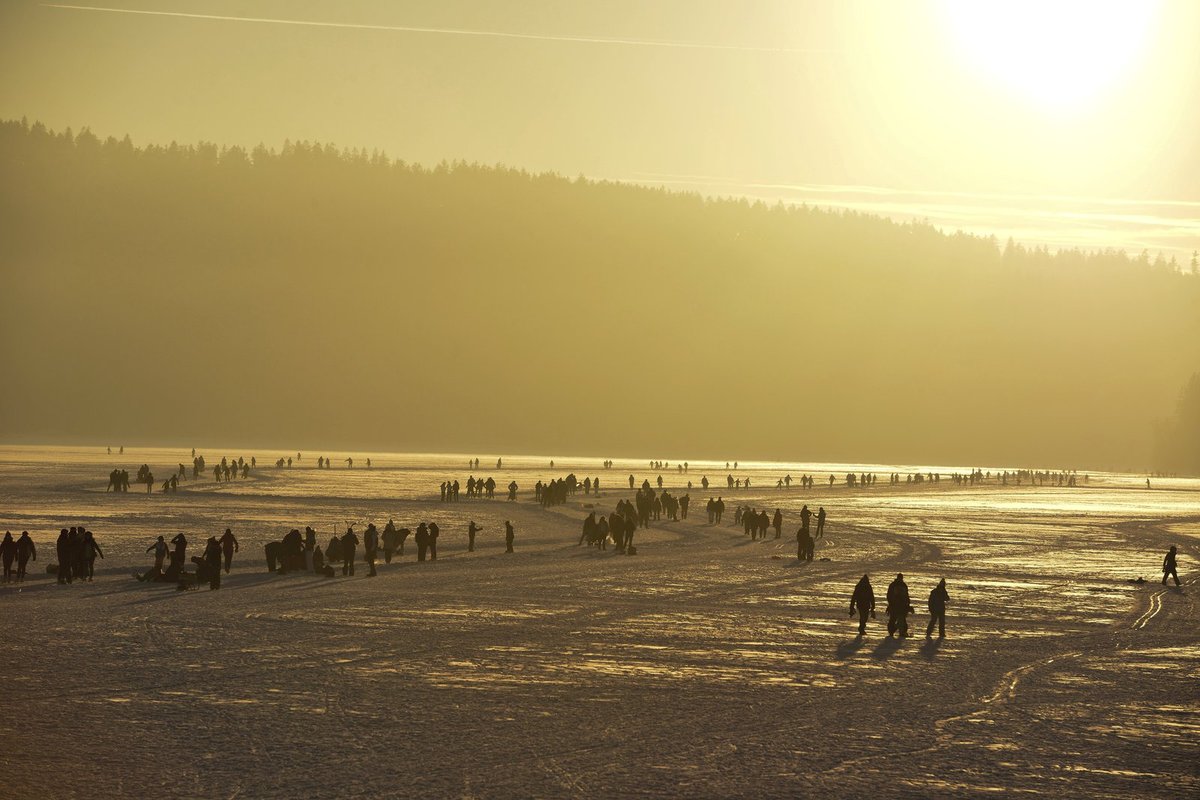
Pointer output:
76, 549
20, 550
618, 528
298, 552
208, 564
899, 606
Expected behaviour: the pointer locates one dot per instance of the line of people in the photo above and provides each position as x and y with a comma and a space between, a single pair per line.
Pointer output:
899, 606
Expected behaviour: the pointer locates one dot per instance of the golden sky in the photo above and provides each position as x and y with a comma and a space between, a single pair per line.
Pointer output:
1070, 123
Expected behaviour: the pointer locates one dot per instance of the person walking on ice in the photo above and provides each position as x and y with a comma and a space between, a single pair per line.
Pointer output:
938, 599
1169, 569
863, 600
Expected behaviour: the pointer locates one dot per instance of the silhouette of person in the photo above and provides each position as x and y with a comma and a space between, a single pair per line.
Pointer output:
509, 535
1169, 569
310, 550
472, 529
899, 607
91, 548
938, 598
160, 550
422, 537
349, 546
177, 555
863, 600
8, 554
370, 548
391, 538
25, 550
212, 562
63, 551
229, 546
434, 530
777, 523
820, 522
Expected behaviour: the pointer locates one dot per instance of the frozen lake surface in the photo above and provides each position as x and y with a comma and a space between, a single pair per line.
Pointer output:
707, 665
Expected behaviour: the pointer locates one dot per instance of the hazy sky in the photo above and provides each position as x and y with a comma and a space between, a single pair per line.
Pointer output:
1070, 123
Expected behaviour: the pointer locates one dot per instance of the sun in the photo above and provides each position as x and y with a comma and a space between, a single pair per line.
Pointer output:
1061, 54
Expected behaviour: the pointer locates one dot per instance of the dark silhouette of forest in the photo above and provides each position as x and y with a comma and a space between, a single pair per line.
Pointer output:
318, 297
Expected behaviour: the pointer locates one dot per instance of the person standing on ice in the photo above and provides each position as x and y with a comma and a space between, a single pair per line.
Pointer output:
820, 523
229, 546
863, 600
938, 599
472, 529
777, 523
180, 551
391, 538
349, 545
91, 549
8, 552
1169, 569
370, 548
899, 607
434, 530
212, 562
160, 554
25, 549
510, 534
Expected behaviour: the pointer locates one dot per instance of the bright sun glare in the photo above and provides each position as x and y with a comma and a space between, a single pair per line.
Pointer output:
1059, 53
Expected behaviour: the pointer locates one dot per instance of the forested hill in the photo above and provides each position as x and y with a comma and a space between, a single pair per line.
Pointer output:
316, 298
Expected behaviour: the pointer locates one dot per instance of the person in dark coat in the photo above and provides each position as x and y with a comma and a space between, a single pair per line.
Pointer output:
391, 539
229, 546
8, 553
63, 551
370, 548
160, 551
349, 546
422, 537
212, 562
863, 601
25, 549
899, 607
472, 529
177, 555
804, 545
434, 530
1169, 568
777, 523
510, 534
938, 599
91, 549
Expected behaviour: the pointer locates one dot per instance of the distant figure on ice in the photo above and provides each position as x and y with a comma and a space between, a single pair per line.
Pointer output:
899, 607
422, 537
63, 551
1169, 567
229, 546
509, 535
777, 523
820, 522
938, 599
863, 600
472, 529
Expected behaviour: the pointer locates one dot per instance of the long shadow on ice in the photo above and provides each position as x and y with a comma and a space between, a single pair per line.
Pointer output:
887, 647
847, 649
931, 647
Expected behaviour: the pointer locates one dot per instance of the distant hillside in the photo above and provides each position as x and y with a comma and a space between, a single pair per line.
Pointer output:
318, 298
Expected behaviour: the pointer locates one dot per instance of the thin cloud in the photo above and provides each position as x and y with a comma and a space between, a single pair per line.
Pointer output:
450, 31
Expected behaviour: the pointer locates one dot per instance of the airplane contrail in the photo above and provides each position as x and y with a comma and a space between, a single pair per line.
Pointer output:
449, 31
